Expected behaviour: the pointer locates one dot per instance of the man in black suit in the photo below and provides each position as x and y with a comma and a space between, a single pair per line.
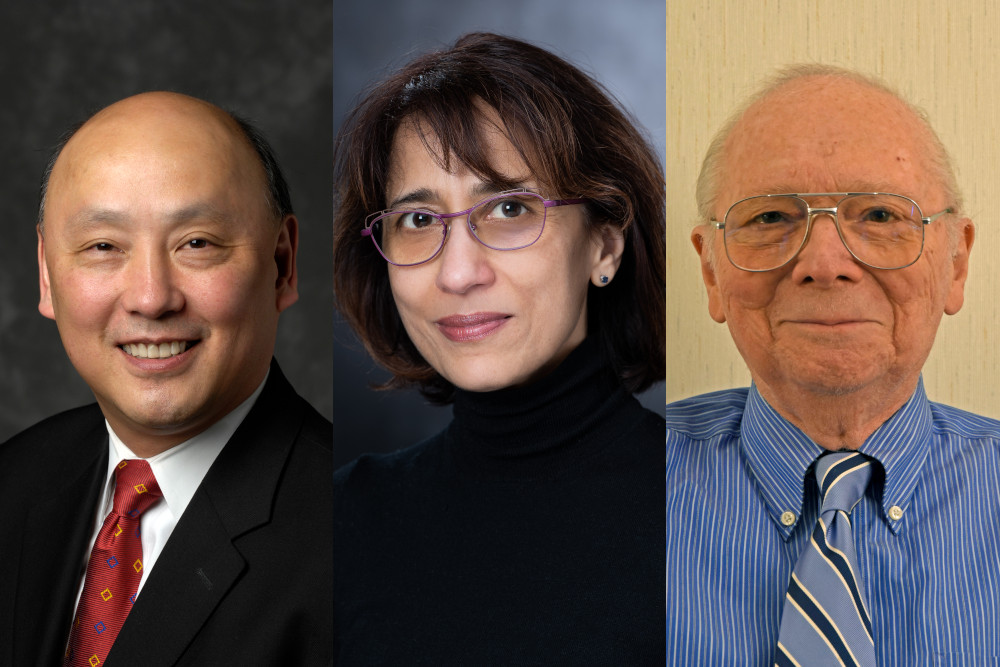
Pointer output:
166, 250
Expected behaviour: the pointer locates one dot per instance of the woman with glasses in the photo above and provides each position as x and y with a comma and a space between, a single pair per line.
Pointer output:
499, 244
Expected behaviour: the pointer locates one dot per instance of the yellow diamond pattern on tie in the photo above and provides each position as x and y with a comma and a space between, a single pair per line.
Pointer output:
110, 588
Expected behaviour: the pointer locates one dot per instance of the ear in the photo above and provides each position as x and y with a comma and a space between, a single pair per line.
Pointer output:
286, 287
609, 244
702, 237
45, 302
960, 266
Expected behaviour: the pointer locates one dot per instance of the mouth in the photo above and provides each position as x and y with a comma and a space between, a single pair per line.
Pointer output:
164, 350
829, 323
473, 326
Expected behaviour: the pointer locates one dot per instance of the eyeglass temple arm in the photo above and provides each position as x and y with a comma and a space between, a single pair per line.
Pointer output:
928, 220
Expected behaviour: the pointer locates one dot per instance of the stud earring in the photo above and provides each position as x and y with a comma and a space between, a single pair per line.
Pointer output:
605, 280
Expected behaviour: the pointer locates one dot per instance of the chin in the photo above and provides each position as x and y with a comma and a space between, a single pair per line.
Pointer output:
832, 370
836, 379
483, 378
480, 384
158, 412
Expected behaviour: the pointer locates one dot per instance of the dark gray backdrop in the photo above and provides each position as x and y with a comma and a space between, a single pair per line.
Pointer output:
269, 61
621, 44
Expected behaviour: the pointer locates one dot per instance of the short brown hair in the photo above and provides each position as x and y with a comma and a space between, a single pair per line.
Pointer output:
574, 138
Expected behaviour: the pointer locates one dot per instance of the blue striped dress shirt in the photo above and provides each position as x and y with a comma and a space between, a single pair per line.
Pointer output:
741, 503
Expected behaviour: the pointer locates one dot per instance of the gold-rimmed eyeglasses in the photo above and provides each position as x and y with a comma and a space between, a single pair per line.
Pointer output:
879, 229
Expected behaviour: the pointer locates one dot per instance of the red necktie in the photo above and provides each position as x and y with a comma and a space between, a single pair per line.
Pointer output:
114, 569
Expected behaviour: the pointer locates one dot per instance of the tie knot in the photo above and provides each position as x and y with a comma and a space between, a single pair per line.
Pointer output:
842, 478
135, 488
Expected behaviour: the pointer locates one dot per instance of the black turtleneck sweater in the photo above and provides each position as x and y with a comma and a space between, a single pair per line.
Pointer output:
528, 532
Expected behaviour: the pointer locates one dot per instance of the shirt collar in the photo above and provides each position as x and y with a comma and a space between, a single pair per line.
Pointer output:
779, 456
180, 470
901, 445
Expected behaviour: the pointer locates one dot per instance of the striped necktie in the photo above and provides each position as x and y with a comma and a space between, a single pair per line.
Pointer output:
114, 569
825, 619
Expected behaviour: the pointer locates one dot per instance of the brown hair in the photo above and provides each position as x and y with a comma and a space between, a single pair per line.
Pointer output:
574, 138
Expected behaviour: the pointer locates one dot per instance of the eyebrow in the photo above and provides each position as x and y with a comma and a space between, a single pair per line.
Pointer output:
480, 189
94, 217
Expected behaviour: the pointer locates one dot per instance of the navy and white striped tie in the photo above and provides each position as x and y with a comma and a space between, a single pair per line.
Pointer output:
825, 618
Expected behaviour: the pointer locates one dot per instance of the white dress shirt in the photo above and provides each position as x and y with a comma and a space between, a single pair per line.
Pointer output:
178, 471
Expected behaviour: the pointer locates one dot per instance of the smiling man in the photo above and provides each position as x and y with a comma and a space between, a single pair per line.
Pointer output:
831, 514
184, 518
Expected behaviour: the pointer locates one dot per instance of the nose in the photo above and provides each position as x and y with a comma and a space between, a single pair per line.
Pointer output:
464, 262
825, 259
151, 289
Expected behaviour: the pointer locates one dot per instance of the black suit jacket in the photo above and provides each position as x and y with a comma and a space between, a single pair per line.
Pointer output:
245, 578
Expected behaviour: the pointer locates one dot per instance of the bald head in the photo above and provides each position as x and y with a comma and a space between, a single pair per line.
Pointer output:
827, 108
156, 119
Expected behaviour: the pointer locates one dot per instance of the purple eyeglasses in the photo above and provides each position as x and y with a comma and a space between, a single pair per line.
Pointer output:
506, 221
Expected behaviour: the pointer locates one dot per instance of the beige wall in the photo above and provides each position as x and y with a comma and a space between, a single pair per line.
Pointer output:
944, 59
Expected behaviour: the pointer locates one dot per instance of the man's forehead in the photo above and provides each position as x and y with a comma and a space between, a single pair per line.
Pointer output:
827, 134
153, 139
824, 110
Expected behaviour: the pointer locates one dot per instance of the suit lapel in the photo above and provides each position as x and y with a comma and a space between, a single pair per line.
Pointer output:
55, 541
201, 561
197, 568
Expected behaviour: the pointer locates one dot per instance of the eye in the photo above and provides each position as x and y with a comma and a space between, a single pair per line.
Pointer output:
196, 244
878, 215
769, 218
102, 247
415, 220
508, 208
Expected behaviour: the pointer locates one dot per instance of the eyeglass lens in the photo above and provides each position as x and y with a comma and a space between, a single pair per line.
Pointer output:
505, 222
882, 230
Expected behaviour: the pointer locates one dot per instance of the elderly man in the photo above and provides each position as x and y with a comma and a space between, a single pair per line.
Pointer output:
185, 518
830, 514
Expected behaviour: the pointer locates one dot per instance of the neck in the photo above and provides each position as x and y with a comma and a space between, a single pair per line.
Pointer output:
541, 425
146, 445
146, 440
837, 421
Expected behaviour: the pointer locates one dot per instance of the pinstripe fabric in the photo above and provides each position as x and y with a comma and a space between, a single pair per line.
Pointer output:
735, 469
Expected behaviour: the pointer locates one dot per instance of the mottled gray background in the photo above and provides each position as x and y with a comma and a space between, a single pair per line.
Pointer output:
621, 44
269, 61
